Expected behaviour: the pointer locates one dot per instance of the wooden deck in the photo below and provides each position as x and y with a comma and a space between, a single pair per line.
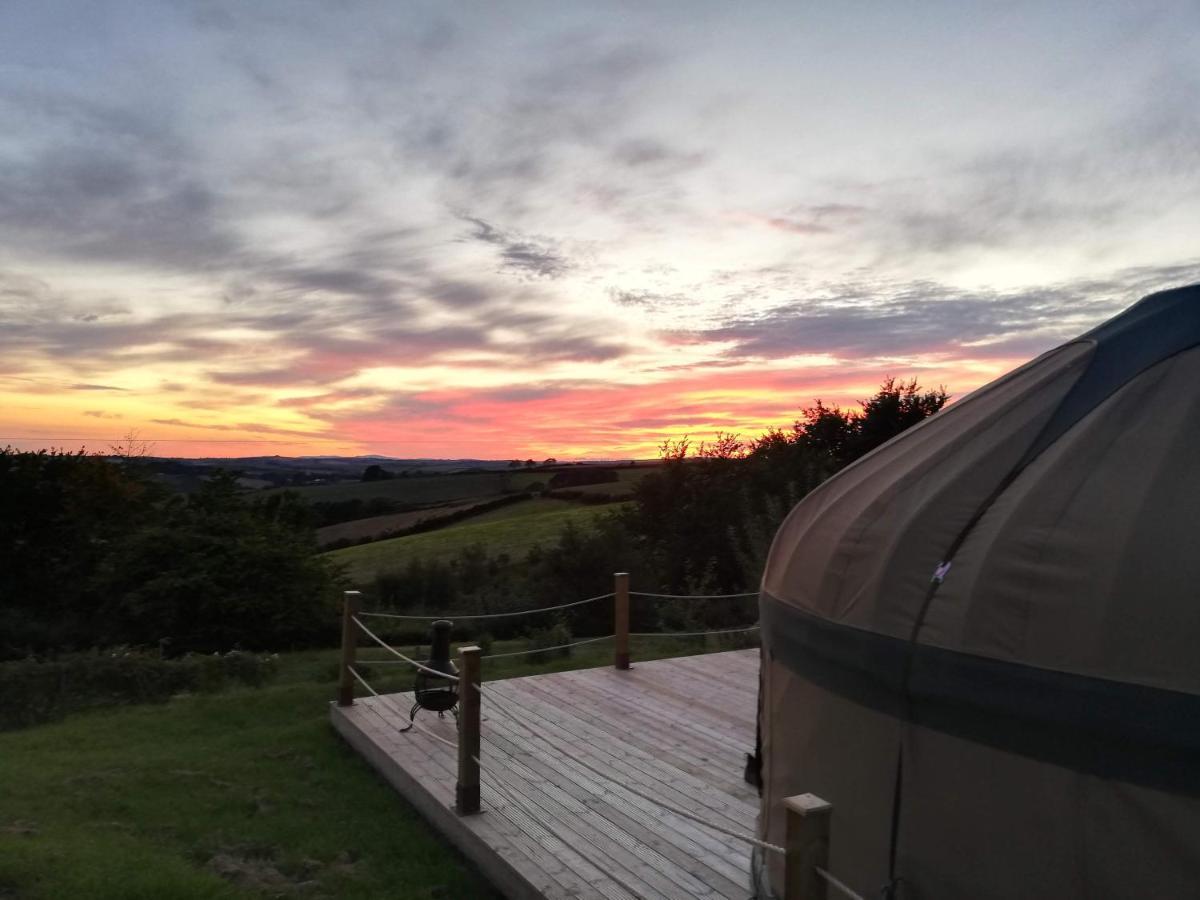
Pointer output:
677, 729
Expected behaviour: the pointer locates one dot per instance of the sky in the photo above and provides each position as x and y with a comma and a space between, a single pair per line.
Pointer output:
519, 229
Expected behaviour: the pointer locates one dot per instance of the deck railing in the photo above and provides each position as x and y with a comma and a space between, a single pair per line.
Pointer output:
808, 817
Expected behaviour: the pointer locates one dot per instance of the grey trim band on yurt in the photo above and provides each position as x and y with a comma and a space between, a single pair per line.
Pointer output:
1129, 732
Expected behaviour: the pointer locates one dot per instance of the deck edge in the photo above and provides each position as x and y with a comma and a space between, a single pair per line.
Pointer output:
503, 877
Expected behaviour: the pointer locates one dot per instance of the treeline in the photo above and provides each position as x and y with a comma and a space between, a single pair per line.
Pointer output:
97, 554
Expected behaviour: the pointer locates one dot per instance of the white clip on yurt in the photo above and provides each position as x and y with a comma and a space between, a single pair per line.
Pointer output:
981, 642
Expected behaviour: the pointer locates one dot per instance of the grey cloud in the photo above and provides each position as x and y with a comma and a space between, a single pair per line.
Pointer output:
1026, 197
649, 300
251, 427
526, 255
864, 321
101, 414
107, 184
94, 387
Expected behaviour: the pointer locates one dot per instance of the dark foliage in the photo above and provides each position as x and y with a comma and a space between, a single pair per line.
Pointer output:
33, 690
707, 517
95, 554
334, 512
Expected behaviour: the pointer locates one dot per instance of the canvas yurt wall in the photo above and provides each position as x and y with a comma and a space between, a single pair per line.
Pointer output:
981, 643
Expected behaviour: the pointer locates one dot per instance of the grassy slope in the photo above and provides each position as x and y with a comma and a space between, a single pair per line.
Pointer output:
373, 525
149, 802
540, 521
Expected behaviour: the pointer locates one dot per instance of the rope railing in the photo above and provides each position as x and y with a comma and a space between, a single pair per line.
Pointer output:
384, 700
679, 634
499, 615
838, 884
692, 596
605, 637
386, 646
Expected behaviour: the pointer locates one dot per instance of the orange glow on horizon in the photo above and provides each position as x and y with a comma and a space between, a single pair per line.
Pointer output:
570, 422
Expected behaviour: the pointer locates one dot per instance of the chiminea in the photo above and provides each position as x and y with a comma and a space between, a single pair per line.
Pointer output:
439, 695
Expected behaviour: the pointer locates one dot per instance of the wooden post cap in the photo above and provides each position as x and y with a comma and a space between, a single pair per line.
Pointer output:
807, 805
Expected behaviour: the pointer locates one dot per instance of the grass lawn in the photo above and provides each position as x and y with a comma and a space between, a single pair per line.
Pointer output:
540, 521
243, 794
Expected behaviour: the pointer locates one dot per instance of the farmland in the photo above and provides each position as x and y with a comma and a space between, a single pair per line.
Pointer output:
422, 489
374, 526
512, 530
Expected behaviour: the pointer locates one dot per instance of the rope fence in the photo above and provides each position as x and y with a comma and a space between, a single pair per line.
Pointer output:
420, 667
384, 700
838, 884
606, 637
681, 634
499, 615
805, 851
692, 596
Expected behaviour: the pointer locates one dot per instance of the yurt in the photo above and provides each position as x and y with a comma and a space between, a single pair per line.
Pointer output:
981, 642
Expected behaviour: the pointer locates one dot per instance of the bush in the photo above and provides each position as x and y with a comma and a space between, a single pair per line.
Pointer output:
33, 691
544, 638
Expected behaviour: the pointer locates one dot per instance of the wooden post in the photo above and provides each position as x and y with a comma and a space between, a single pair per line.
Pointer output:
466, 791
350, 603
807, 846
621, 619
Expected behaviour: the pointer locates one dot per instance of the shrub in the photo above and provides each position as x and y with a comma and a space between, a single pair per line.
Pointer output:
33, 690
544, 638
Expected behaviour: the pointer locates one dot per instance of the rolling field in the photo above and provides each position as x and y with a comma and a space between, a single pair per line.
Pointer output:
424, 489
374, 525
627, 480
512, 530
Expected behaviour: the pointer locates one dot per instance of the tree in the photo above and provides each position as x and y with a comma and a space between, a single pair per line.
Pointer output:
707, 514
895, 407
97, 553
61, 514
376, 472
217, 571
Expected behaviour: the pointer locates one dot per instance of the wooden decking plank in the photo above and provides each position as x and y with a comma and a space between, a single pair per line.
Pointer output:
726, 719
551, 827
649, 679
530, 841
630, 759
673, 743
649, 868
642, 695
669, 821
531, 835
574, 782
648, 711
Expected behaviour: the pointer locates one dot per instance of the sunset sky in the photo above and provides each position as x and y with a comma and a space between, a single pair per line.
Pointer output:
455, 229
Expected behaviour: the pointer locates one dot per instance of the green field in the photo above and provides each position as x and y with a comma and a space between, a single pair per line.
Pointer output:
513, 530
372, 526
423, 489
244, 794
